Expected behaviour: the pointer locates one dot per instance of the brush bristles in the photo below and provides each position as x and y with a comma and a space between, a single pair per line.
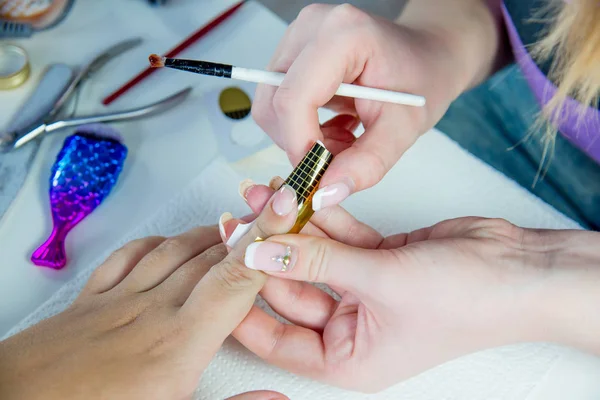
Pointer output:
156, 61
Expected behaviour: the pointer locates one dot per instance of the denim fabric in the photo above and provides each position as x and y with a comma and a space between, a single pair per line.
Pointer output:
495, 122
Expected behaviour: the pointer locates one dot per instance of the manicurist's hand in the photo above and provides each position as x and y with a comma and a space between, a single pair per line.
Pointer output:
146, 325
437, 49
328, 45
413, 301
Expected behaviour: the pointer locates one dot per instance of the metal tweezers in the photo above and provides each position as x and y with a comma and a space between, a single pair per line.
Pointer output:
56, 119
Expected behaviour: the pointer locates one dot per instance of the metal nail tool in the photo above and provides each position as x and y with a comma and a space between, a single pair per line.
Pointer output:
58, 119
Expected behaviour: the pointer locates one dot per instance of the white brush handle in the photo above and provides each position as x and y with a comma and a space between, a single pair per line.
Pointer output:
345, 89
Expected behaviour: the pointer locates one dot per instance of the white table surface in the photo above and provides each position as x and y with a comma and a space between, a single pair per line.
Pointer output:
168, 151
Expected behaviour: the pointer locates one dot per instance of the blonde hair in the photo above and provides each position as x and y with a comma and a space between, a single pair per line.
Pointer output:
573, 43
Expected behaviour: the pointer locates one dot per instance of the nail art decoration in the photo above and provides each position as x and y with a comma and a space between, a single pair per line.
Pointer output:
285, 259
269, 256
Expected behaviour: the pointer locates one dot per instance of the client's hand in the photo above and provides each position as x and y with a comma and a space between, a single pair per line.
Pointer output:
413, 301
146, 325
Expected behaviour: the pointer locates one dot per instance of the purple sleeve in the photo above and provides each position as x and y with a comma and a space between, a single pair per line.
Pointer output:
579, 124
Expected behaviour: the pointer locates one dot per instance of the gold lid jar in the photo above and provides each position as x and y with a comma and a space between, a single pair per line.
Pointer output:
14, 66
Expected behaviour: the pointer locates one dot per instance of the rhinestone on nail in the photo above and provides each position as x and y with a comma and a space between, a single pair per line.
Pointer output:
285, 259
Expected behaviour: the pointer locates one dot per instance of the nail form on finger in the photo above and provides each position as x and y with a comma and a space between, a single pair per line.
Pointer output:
305, 179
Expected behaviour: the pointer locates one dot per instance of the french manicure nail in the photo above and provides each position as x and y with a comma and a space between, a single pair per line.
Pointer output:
284, 200
245, 187
330, 195
225, 217
270, 256
239, 233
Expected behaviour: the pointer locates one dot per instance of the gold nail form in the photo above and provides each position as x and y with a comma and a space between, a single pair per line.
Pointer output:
305, 179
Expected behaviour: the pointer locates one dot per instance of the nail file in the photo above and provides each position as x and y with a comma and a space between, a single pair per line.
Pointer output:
237, 135
14, 165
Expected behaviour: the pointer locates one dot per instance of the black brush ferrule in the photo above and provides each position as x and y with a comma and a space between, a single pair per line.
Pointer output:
200, 67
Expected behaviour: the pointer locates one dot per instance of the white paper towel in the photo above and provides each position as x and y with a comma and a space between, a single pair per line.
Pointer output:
512, 372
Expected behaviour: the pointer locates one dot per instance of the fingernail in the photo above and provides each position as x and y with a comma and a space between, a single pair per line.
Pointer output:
275, 182
331, 195
245, 187
225, 217
270, 256
284, 201
238, 233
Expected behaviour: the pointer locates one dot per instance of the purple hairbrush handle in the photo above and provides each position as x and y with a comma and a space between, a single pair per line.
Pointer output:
52, 252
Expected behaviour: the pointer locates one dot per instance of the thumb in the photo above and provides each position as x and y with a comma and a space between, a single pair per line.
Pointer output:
317, 259
365, 162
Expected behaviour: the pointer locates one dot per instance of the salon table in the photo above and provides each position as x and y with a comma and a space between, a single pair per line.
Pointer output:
434, 181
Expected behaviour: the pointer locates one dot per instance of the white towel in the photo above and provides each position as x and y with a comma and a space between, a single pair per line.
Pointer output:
512, 372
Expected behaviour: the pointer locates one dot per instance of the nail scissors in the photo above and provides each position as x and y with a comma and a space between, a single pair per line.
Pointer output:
58, 118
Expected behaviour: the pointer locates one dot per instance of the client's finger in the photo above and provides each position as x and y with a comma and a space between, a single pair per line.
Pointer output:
177, 287
333, 222
257, 196
119, 264
299, 302
228, 224
280, 211
160, 263
225, 295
